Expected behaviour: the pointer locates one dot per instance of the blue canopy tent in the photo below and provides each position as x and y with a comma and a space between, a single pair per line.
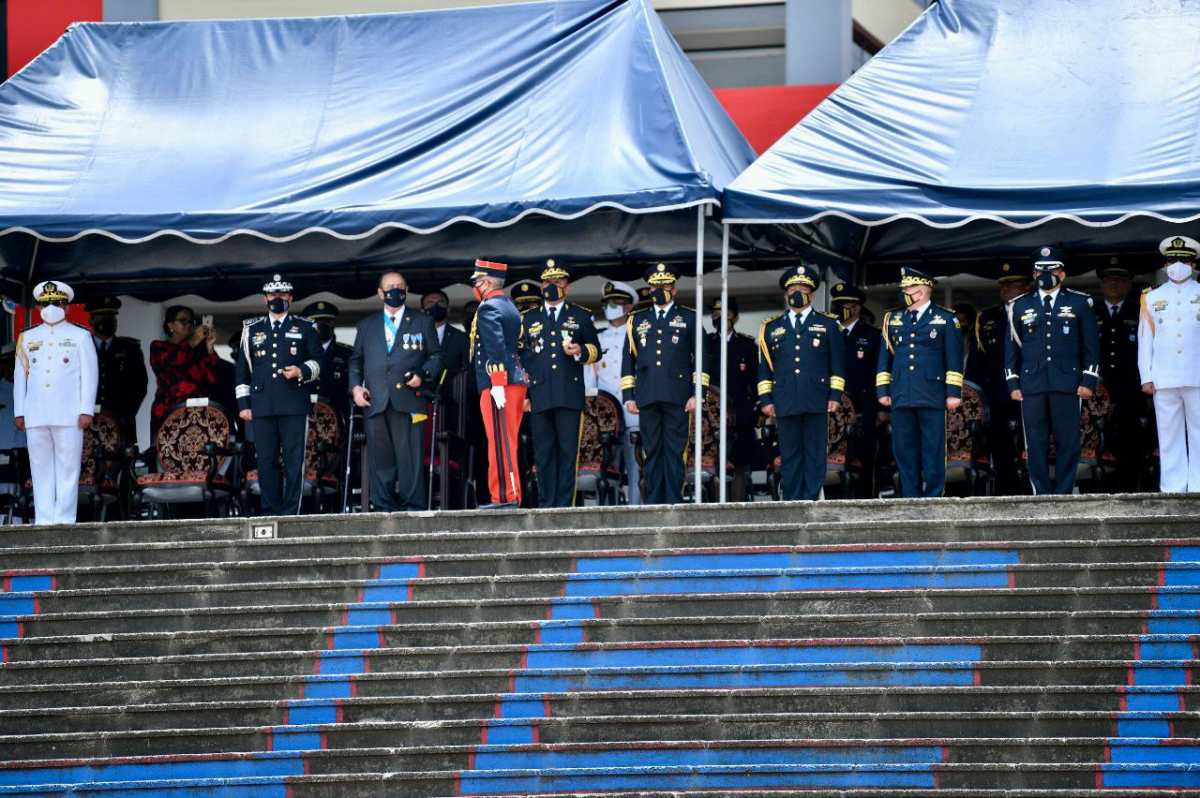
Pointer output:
157, 159
987, 129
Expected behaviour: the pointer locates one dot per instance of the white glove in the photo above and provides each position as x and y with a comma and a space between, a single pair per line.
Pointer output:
498, 396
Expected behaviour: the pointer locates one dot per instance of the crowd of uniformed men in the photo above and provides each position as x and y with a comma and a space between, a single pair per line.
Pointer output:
527, 352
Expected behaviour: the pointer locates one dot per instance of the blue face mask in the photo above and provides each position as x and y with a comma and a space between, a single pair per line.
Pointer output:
394, 297
1047, 281
277, 305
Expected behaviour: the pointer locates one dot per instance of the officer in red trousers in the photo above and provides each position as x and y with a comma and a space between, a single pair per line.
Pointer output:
495, 331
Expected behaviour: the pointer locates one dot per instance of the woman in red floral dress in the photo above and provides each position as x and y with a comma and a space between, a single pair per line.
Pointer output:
185, 365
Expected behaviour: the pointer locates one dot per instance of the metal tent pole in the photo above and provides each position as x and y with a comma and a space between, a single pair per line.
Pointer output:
722, 451
698, 391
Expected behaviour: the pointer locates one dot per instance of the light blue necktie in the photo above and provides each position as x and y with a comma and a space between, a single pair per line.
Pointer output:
393, 328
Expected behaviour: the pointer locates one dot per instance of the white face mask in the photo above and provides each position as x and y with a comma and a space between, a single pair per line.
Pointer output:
53, 314
613, 312
1178, 271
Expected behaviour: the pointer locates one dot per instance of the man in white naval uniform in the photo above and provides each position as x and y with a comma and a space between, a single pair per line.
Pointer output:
605, 375
54, 398
1168, 359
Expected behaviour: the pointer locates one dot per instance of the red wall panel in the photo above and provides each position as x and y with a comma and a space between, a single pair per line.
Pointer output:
33, 25
765, 113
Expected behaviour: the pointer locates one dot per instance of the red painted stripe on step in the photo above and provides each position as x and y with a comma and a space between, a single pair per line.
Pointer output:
1099, 777
976, 677
20, 629
596, 609
3, 653
537, 734
307, 768
1129, 678
412, 591
483, 733
287, 791
316, 664
496, 708
458, 775
546, 707
537, 633
284, 722
524, 658
345, 617
945, 754
339, 711
1123, 700
7, 584
324, 741
512, 681
354, 686
420, 569
366, 663
379, 640
54, 581
300, 693
329, 640
937, 778
1171, 727
1137, 650
270, 740
362, 589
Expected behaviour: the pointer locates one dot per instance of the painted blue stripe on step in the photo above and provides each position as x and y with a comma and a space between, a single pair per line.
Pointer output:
571, 609
16, 604
9, 629
1152, 702
327, 688
149, 771
335, 662
836, 559
30, 582
750, 655
560, 633
470, 785
399, 570
1168, 779
487, 759
510, 734
521, 708
1143, 728
213, 788
343, 640
1169, 677
1173, 626
285, 740
1155, 754
368, 617
391, 594
713, 583
1178, 599
921, 677
1165, 650
310, 715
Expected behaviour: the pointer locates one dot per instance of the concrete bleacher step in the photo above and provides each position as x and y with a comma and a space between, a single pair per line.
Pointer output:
1102, 699
627, 628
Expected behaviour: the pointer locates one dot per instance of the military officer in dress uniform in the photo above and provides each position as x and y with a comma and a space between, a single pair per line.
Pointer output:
1052, 363
741, 392
919, 378
658, 368
1168, 356
992, 331
1117, 317
526, 295
123, 378
618, 299
801, 357
334, 386
862, 354
558, 340
495, 336
54, 399
278, 369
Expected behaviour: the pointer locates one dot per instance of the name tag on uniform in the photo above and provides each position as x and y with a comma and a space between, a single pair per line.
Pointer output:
678, 322
937, 320
293, 335
1066, 313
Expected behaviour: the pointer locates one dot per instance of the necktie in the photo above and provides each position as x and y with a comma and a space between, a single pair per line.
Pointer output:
392, 326
662, 314
1048, 303
912, 317
1112, 312
275, 325
554, 315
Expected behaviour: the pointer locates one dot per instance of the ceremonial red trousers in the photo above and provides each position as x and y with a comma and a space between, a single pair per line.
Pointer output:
502, 447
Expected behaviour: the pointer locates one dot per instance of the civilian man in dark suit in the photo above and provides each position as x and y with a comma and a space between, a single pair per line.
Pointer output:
452, 340
1118, 317
862, 354
741, 393
395, 352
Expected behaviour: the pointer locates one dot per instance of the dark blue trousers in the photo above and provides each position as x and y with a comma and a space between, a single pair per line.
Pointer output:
919, 446
281, 490
395, 455
664, 430
556, 453
803, 442
1056, 414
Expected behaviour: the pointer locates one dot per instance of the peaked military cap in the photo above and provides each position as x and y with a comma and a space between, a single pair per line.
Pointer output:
277, 285
661, 274
490, 268
53, 291
1179, 247
910, 275
1114, 269
615, 291
104, 305
802, 274
1047, 259
1007, 273
320, 311
844, 292
554, 272
526, 294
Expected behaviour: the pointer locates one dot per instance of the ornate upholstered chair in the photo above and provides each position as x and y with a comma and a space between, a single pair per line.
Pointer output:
966, 444
598, 473
322, 461
197, 462
840, 468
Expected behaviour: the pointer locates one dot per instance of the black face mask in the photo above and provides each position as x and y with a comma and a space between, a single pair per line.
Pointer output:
438, 311
1047, 281
324, 332
104, 327
798, 300
551, 293
659, 296
394, 297
277, 305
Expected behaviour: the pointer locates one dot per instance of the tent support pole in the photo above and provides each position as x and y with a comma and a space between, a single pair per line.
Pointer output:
722, 451
27, 294
698, 388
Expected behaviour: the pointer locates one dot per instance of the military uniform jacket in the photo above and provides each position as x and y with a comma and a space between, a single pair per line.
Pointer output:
1119, 348
415, 349
743, 374
54, 382
123, 378
1169, 336
658, 363
862, 356
800, 370
556, 378
991, 339
606, 374
495, 333
334, 386
920, 361
260, 387
1054, 355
